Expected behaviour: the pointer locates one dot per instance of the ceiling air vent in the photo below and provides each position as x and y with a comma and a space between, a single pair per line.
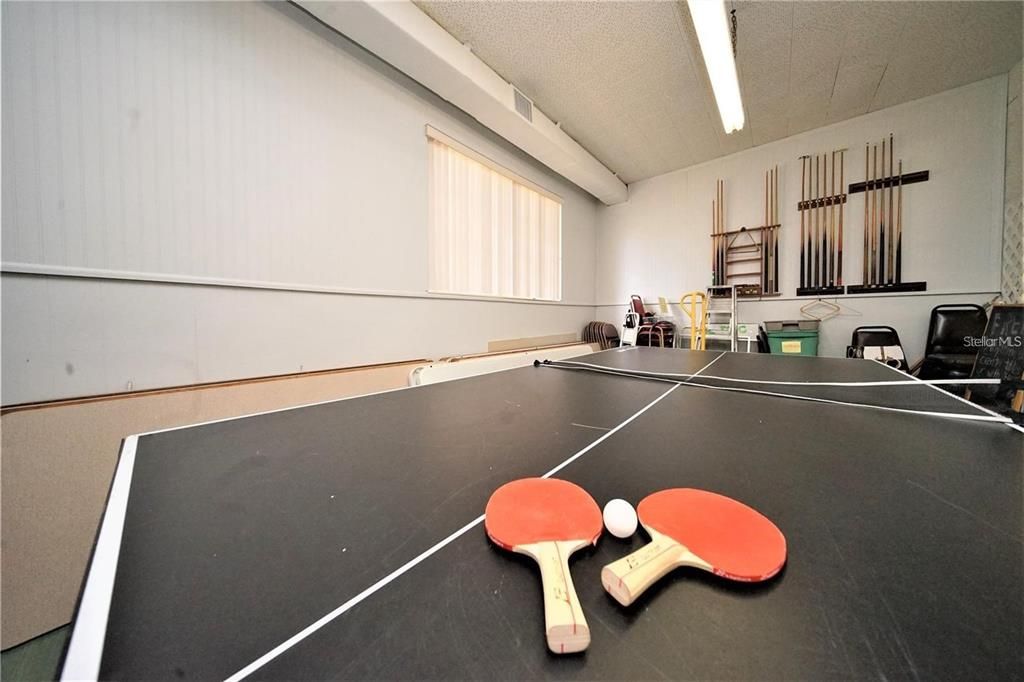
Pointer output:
523, 105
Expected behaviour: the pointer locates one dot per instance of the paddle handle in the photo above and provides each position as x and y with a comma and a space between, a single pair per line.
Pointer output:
627, 578
566, 627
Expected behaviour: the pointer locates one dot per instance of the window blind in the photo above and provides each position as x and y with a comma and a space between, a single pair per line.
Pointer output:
492, 233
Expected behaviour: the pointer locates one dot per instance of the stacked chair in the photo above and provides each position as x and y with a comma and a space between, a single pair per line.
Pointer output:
603, 333
651, 332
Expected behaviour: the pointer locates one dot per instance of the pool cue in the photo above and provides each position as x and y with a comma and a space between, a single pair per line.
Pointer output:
883, 238
874, 215
718, 231
719, 238
883, 244
823, 236
764, 239
891, 227
714, 231
827, 221
718, 228
803, 167
842, 210
825, 246
832, 225
723, 249
722, 240
814, 247
812, 221
880, 243
810, 218
767, 236
882, 225
864, 264
775, 233
718, 264
899, 228
814, 215
824, 221
771, 230
835, 221
810, 209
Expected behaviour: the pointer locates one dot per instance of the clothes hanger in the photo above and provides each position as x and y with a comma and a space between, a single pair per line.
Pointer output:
820, 310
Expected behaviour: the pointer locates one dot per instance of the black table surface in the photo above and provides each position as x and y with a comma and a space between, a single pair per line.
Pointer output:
904, 532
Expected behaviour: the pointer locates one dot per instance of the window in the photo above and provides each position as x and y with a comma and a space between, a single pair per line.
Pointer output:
492, 233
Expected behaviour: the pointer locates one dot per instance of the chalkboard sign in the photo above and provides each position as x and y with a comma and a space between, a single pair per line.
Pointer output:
1001, 354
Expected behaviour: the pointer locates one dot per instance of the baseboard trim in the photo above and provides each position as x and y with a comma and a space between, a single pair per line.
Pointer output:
511, 351
123, 395
504, 345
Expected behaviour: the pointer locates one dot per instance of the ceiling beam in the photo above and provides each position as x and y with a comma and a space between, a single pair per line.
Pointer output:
405, 37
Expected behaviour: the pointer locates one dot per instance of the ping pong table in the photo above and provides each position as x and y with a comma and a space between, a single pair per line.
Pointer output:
344, 540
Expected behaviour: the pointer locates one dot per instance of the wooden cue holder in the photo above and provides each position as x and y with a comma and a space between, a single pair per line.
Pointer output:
882, 268
733, 251
822, 209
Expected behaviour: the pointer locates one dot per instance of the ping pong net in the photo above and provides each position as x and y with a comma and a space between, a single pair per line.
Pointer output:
899, 395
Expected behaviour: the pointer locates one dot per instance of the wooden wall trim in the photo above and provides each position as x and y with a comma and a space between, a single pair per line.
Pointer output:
7, 409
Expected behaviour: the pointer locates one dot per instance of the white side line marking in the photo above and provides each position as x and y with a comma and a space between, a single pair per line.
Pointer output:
915, 381
949, 415
1008, 422
86, 647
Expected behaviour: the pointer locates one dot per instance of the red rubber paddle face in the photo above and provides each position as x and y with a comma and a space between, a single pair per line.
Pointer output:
541, 510
737, 541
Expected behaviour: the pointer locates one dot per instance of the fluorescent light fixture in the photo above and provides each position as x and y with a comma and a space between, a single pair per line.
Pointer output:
712, 25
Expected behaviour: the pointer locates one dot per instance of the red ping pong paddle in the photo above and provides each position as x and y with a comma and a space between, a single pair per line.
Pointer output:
697, 528
548, 519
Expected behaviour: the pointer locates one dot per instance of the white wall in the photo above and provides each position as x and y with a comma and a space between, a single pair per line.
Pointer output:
207, 191
657, 243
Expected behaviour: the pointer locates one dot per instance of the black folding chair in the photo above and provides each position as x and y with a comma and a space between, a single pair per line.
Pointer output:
947, 354
877, 336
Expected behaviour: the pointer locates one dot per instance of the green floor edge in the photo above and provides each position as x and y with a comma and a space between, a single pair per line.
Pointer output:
35, 660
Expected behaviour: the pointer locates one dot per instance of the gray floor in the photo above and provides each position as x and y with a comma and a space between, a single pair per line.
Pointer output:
36, 659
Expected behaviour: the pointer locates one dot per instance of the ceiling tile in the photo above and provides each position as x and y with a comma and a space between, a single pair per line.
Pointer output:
855, 85
627, 80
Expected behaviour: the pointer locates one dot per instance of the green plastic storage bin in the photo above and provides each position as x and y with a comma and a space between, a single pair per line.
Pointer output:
797, 337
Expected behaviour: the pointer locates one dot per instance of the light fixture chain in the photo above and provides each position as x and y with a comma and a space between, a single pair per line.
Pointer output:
732, 14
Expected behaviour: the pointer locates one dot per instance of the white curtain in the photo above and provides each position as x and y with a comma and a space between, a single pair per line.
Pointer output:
489, 234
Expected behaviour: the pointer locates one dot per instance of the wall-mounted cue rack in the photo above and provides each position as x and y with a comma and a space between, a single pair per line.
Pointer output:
822, 218
822, 213
733, 251
883, 222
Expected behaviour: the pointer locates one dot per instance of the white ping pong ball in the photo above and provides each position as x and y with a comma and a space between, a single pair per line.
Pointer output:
620, 518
